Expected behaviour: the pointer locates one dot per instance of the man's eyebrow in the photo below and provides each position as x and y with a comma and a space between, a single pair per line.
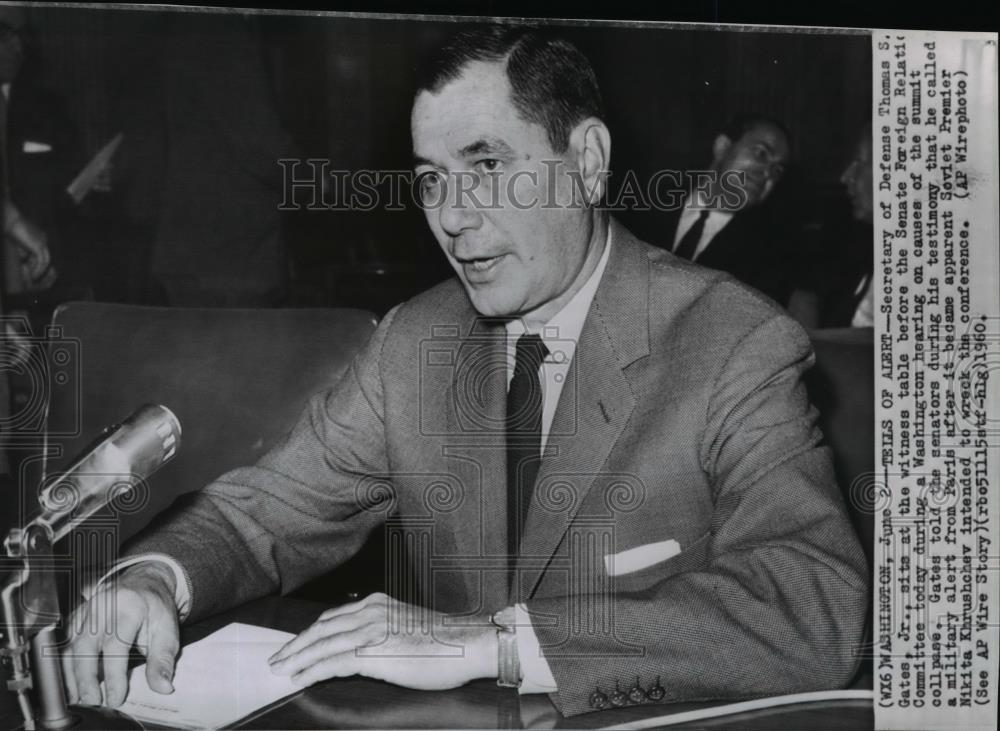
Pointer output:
418, 161
486, 145
772, 150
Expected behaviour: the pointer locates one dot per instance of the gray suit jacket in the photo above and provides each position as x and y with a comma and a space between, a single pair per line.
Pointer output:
683, 417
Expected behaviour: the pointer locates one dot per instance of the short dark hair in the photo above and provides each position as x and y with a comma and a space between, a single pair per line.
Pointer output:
552, 83
738, 126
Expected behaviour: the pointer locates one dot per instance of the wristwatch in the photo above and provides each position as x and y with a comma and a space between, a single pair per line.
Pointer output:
508, 664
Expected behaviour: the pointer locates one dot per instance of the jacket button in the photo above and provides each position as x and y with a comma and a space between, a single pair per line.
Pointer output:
636, 694
598, 700
657, 692
618, 698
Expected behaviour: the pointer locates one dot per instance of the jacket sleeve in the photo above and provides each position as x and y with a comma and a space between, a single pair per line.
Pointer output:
294, 515
778, 603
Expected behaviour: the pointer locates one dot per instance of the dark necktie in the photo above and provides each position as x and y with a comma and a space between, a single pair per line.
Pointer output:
524, 436
689, 242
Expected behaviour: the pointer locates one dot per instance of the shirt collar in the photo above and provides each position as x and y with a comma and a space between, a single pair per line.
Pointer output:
694, 205
562, 332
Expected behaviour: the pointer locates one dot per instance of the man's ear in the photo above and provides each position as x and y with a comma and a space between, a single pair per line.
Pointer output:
720, 147
590, 142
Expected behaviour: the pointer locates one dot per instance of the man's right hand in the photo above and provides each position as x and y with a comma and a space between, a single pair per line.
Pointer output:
32, 242
134, 608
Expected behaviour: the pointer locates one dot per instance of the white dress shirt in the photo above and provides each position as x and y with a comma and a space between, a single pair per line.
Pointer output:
560, 335
864, 314
715, 222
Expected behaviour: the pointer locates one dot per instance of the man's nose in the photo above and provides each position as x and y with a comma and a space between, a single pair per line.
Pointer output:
459, 211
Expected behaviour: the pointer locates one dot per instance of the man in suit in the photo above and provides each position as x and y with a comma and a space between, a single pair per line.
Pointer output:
724, 223
40, 156
852, 304
25, 257
835, 289
218, 240
604, 455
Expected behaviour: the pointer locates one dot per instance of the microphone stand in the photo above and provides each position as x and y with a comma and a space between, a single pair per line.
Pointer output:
29, 601
31, 615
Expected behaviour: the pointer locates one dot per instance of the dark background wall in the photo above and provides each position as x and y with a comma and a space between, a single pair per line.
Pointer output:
345, 86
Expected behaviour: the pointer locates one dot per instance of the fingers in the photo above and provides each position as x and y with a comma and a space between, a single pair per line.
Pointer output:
40, 262
372, 599
81, 656
325, 637
319, 652
115, 663
69, 677
113, 640
161, 652
105, 628
48, 278
83, 653
37, 269
28, 237
340, 665
338, 619
34, 274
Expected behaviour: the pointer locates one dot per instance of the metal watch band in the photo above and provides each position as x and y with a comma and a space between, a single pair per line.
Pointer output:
508, 663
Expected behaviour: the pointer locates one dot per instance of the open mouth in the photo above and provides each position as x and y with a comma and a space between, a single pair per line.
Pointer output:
483, 265
481, 269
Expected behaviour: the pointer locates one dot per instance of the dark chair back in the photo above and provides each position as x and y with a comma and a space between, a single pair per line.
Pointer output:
236, 379
842, 386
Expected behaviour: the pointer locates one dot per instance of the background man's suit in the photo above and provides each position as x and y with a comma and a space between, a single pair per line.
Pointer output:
683, 418
751, 247
219, 234
42, 157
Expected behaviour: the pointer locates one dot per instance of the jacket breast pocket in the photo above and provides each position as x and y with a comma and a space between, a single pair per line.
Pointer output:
690, 558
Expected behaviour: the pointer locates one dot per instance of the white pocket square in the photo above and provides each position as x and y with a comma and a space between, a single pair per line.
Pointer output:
640, 557
32, 146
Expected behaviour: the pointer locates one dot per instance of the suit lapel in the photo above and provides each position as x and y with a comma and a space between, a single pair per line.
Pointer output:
596, 403
737, 245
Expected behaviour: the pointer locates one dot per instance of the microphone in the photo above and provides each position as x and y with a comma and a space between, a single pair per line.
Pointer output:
124, 455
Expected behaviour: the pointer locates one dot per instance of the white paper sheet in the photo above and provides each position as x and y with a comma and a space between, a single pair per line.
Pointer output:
219, 680
83, 183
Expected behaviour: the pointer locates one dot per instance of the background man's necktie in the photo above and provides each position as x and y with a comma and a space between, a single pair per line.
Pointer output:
524, 435
689, 243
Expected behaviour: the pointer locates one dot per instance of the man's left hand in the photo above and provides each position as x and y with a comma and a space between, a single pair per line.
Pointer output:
381, 637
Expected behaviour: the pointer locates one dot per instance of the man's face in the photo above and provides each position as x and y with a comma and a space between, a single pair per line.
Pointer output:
497, 197
857, 179
11, 53
760, 154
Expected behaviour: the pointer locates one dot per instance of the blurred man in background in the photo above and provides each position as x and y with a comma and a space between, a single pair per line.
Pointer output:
835, 289
723, 224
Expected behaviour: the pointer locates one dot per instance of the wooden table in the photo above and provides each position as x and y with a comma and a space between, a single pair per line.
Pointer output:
359, 703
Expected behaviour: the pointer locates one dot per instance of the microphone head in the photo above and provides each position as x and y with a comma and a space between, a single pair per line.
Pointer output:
126, 454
